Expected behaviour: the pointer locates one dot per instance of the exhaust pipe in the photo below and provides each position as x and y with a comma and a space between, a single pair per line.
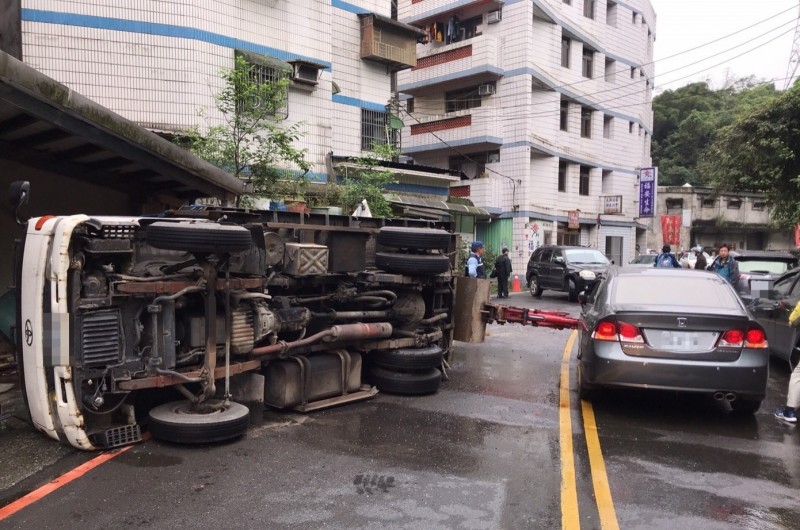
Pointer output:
719, 396
730, 396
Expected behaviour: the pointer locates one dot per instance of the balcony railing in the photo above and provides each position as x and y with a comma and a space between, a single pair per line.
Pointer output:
474, 130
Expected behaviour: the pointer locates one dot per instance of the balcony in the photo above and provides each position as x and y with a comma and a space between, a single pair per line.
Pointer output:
470, 61
476, 129
388, 41
421, 12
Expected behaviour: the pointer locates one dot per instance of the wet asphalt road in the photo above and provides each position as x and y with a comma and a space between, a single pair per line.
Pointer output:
482, 453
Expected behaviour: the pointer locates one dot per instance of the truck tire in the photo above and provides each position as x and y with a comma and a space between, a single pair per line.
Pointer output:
206, 238
409, 358
416, 238
415, 264
176, 422
406, 383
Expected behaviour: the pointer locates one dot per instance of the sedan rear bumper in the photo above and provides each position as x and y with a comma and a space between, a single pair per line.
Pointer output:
609, 366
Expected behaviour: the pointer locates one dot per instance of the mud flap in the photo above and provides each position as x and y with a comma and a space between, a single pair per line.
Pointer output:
471, 294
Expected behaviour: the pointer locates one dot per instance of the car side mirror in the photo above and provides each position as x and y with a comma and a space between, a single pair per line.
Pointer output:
18, 194
559, 260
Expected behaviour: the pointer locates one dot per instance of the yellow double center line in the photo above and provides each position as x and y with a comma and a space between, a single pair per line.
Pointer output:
570, 516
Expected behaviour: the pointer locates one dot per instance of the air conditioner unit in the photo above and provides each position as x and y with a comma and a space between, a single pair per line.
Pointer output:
485, 90
494, 17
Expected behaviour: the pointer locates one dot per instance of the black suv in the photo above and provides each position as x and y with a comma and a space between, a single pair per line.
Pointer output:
561, 268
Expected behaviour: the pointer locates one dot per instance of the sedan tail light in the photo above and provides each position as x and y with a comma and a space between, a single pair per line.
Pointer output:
737, 338
613, 331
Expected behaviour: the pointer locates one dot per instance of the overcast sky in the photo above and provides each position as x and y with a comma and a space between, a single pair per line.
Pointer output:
687, 24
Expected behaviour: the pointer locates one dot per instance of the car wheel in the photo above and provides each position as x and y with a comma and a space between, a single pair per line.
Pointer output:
407, 383
416, 238
416, 264
746, 406
207, 238
177, 422
535, 288
409, 358
585, 392
572, 290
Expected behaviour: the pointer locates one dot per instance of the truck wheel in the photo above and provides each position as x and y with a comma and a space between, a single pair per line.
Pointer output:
416, 238
206, 238
535, 288
177, 422
407, 383
572, 290
409, 358
415, 264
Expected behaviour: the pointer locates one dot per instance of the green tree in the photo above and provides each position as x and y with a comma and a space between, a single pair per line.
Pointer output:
369, 181
251, 143
686, 121
759, 152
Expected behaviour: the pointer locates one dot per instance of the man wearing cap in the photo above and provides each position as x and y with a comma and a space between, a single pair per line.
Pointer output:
502, 266
475, 267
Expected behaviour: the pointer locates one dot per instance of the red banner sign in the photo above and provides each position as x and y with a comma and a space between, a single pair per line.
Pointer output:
671, 229
797, 235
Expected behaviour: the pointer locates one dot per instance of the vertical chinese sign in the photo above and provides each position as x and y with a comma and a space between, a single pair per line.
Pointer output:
648, 180
671, 229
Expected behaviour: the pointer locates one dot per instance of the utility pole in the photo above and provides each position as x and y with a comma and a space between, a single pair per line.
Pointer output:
794, 58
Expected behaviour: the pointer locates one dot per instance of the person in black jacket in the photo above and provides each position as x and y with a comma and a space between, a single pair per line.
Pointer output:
700, 264
502, 265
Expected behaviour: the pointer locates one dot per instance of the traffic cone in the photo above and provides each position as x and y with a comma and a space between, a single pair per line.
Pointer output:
515, 288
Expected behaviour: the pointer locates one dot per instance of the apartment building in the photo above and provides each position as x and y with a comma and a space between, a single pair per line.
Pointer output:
157, 64
544, 106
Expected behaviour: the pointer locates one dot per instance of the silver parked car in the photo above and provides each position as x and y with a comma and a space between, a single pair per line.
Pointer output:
671, 330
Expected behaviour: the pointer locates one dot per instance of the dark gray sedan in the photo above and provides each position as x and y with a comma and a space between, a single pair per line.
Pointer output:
672, 329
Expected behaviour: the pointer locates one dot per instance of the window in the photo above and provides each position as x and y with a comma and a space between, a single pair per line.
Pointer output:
588, 8
734, 204
605, 181
564, 114
611, 14
611, 67
410, 105
565, 46
709, 203
633, 72
633, 17
568, 2
492, 157
375, 129
608, 126
586, 122
263, 71
588, 60
469, 29
759, 206
562, 175
674, 204
630, 127
465, 98
583, 185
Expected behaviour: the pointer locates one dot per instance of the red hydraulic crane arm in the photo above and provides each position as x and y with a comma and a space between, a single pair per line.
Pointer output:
501, 314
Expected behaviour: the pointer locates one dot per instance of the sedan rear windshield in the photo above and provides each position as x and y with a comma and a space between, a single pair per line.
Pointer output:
684, 290
773, 267
586, 255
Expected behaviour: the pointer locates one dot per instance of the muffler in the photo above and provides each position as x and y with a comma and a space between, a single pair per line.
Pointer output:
719, 396
730, 396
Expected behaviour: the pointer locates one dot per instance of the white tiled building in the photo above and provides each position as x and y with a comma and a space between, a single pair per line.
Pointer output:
157, 63
545, 105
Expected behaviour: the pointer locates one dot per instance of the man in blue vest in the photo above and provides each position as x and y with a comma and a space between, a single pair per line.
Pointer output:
474, 266
725, 265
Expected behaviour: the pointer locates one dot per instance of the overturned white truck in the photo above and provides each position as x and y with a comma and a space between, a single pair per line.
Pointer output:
168, 321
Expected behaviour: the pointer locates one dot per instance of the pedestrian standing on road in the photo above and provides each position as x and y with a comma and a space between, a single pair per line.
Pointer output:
788, 413
666, 260
725, 265
700, 264
475, 268
502, 265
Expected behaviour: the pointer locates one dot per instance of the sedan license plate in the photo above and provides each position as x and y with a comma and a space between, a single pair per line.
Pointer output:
683, 341
759, 285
